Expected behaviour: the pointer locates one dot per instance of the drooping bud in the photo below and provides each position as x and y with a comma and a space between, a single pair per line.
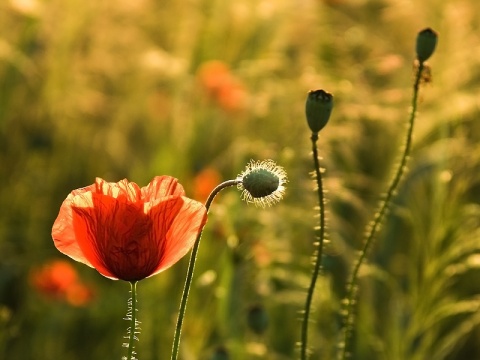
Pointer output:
262, 183
257, 319
318, 108
426, 44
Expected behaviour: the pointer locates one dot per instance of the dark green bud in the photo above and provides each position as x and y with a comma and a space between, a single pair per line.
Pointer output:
318, 109
426, 44
220, 353
261, 183
257, 319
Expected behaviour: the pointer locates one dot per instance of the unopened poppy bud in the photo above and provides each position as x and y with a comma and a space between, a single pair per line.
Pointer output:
262, 183
220, 353
257, 319
318, 108
426, 43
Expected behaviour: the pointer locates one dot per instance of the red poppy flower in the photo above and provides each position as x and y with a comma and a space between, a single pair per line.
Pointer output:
58, 279
204, 182
79, 294
222, 85
54, 278
127, 232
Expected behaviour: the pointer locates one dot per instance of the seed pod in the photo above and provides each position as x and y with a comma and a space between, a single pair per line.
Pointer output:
426, 44
318, 108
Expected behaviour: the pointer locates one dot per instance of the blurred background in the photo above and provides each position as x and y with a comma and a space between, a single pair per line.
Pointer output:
197, 88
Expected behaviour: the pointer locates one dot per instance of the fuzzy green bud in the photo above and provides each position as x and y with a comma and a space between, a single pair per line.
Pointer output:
257, 319
318, 108
426, 44
262, 183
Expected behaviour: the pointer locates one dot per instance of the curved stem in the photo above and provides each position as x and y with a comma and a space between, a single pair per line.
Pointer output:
318, 261
133, 320
191, 268
378, 217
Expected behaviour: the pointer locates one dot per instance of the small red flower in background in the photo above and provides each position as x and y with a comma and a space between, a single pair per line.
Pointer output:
126, 232
205, 181
59, 280
222, 86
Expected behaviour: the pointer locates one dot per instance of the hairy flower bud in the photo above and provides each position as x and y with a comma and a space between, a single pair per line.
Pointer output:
262, 183
318, 108
426, 43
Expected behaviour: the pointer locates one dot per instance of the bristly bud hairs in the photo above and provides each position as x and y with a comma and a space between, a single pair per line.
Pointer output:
262, 183
318, 108
426, 44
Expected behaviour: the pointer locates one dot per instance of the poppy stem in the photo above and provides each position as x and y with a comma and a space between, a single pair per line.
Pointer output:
191, 268
352, 286
319, 253
132, 318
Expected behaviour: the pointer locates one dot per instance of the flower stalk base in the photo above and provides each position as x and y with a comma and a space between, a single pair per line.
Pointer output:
133, 330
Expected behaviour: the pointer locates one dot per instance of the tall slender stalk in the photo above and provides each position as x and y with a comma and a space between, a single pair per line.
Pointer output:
318, 260
191, 268
352, 287
132, 317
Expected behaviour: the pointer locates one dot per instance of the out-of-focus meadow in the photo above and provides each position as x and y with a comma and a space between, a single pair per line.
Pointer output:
197, 88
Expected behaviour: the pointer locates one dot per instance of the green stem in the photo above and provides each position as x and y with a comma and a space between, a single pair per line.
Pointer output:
191, 268
318, 261
133, 321
378, 217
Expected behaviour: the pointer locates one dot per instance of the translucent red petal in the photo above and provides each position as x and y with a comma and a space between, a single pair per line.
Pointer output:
126, 232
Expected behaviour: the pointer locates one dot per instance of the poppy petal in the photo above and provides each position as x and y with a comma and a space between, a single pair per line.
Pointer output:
125, 232
162, 186
123, 189
180, 231
113, 235
63, 232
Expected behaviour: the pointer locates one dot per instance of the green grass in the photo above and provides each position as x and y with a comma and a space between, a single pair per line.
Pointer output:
111, 90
